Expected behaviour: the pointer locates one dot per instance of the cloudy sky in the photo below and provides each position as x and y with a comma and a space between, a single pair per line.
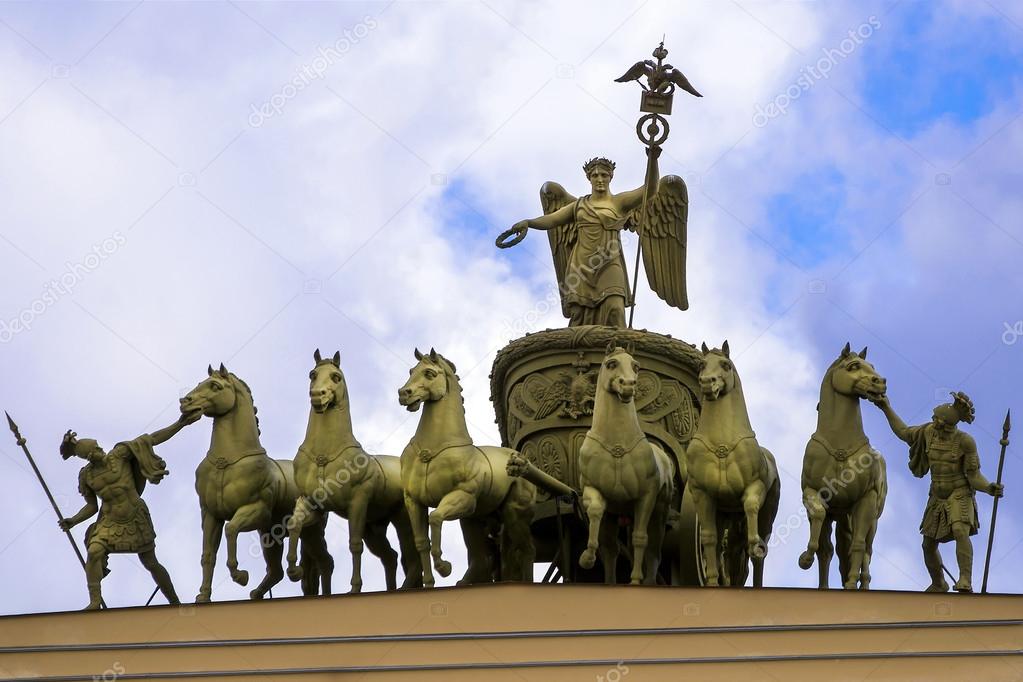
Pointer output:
245, 182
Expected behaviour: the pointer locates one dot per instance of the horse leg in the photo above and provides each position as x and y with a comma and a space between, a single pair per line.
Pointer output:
655, 529
825, 552
610, 548
380, 546
843, 541
212, 532
868, 550
752, 500
518, 553
273, 553
410, 563
420, 531
706, 514
643, 509
480, 568
253, 516
457, 504
314, 544
356, 530
815, 511
305, 514
863, 514
594, 505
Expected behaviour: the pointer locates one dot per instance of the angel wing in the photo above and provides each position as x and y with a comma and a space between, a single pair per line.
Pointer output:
663, 239
552, 197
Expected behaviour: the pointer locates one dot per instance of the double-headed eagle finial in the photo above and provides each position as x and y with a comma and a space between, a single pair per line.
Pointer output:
660, 77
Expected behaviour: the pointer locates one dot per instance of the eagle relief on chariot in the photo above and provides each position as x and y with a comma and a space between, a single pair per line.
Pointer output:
626, 456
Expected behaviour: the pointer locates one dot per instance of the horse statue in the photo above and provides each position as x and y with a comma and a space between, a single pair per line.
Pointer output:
443, 469
241, 489
622, 472
334, 474
844, 479
729, 472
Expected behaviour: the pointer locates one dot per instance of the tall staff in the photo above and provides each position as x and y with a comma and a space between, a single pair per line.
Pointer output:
53, 503
652, 128
1004, 442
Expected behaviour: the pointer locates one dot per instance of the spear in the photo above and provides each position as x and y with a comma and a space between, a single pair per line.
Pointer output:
1004, 442
53, 503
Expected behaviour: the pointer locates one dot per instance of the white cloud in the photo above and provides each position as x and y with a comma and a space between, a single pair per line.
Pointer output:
216, 272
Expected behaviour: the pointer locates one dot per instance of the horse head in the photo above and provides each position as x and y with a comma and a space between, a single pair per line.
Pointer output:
618, 372
717, 373
852, 375
429, 381
327, 386
214, 396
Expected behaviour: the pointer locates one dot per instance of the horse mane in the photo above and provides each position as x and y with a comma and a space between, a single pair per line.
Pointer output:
248, 392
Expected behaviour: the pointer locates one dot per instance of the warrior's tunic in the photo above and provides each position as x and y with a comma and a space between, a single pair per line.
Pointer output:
124, 523
596, 267
951, 498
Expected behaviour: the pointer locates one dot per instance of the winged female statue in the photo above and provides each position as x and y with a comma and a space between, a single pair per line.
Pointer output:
587, 247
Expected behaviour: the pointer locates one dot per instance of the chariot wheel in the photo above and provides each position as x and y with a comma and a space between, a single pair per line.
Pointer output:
690, 553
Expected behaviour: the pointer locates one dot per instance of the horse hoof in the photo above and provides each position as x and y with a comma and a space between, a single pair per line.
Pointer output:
356, 588
864, 585
806, 560
443, 567
202, 598
588, 559
255, 594
295, 573
851, 585
240, 577
758, 550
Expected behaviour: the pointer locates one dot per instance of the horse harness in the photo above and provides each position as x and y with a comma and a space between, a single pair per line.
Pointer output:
222, 463
840, 454
322, 460
722, 450
427, 455
616, 451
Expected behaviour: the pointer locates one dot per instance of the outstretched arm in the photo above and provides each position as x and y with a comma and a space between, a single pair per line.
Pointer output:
168, 432
562, 216
898, 426
633, 198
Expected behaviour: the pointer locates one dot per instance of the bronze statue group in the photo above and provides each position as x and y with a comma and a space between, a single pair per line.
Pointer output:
625, 477
442, 475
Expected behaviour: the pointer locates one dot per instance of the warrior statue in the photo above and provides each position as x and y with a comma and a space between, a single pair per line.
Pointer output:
117, 479
587, 247
951, 457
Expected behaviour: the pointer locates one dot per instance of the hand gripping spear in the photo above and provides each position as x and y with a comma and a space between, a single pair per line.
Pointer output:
53, 503
1004, 442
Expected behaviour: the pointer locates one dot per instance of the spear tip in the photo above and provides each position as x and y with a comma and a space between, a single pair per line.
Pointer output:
1008, 421
10, 422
